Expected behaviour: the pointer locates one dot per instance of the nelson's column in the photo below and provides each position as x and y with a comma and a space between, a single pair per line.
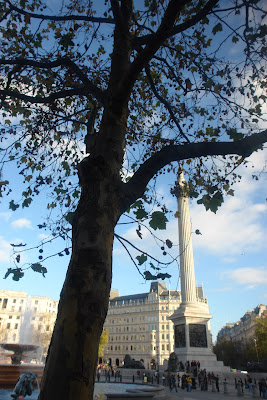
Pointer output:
192, 319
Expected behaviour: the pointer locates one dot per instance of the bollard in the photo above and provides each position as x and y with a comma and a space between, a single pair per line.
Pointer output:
255, 391
225, 387
152, 380
120, 378
239, 389
133, 378
213, 386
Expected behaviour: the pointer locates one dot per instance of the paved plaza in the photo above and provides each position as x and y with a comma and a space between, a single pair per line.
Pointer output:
196, 394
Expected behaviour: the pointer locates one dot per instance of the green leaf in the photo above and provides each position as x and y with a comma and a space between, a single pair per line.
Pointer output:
153, 266
158, 220
141, 259
234, 135
13, 206
28, 178
69, 217
163, 276
235, 39
37, 267
27, 202
140, 213
17, 273
212, 203
149, 276
217, 28
208, 84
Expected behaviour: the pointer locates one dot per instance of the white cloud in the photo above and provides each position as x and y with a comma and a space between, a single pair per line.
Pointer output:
250, 277
5, 216
4, 250
238, 226
22, 223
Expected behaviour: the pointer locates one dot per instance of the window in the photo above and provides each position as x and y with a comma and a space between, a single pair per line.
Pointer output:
162, 317
10, 317
163, 347
163, 336
4, 303
16, 326
36, 302
162, 327
14, 301
8, 326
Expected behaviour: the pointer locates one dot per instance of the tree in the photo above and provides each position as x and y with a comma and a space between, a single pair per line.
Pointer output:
261, 338
103, 342
42, 332
147, 87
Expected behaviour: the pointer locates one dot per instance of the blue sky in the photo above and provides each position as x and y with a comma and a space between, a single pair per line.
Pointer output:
230, 254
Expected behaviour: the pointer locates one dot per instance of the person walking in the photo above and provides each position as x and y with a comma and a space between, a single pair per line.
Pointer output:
173, 383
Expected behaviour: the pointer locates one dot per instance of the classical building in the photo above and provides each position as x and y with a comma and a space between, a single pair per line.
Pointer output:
139, 325
26, 319
242, 331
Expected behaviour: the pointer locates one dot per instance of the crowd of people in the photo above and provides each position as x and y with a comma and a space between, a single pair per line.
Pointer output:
188, 382
189, 377
108, 372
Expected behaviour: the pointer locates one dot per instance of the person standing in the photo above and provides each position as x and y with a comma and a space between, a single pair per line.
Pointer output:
217, 383
189, 383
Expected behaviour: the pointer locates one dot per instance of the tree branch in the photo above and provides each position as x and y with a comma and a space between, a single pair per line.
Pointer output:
165, 102
136, 186
44, 100
60, 18
144, 40
65, 61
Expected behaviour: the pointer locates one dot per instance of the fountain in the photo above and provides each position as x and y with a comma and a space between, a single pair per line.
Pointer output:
9, 373
19, 350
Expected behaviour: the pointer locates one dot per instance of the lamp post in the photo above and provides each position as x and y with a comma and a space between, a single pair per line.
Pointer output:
157, 347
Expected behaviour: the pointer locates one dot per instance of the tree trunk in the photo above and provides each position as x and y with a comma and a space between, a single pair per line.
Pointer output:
71, 363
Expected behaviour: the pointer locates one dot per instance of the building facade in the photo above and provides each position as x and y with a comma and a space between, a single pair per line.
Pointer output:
26, 319
139, 325
242, 331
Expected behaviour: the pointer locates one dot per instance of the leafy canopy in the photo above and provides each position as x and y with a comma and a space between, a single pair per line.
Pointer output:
56, 67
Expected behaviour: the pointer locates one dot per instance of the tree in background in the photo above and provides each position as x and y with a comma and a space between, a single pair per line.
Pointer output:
103, 342
261, 338
42, 332
146, 86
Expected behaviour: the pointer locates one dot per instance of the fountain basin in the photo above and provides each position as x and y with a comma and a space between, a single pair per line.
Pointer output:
18, 349
9, 373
